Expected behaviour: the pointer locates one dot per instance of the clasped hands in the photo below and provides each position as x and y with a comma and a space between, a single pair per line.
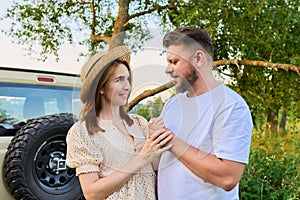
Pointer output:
157, 129
157, 140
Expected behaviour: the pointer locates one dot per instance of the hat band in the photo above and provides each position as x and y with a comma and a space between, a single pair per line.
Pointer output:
93, 65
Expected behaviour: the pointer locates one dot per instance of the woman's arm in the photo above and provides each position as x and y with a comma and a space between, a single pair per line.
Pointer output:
154, 125
95, 188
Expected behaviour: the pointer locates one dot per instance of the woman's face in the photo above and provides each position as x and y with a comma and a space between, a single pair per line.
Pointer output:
117, 89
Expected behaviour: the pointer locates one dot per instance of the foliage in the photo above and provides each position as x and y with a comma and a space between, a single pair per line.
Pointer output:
273, 169
253, 30
269, 97
49, 24
151, 109
5, 118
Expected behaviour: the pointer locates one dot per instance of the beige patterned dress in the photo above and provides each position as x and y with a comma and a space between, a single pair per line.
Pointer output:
104, 152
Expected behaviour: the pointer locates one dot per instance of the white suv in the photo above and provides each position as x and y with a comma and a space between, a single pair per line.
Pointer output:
37, 108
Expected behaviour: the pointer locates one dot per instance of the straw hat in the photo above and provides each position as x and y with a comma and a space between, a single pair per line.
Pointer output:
96, 64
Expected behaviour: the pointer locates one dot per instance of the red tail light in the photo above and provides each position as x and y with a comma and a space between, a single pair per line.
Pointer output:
45, 79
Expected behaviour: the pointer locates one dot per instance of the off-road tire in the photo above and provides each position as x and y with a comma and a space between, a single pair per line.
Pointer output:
27, 170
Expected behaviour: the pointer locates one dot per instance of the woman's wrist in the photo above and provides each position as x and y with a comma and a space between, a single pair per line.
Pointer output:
142, 159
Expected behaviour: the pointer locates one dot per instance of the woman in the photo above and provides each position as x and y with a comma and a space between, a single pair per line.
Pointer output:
109, 148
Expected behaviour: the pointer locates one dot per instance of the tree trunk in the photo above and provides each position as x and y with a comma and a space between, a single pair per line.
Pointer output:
272, 121
120, 24
283, 120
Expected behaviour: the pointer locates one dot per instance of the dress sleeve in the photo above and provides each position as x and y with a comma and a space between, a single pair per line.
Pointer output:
82, 153
141, 122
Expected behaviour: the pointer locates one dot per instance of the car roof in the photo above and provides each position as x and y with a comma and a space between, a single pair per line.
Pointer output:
39, 77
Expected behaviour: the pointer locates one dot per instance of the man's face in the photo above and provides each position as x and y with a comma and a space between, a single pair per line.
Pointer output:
180, 67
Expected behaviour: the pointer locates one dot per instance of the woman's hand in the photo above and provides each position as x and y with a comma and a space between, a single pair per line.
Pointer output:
156, 143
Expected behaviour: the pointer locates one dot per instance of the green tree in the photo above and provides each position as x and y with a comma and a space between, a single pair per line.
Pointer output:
249, 31
51, 23
151, 109
5, 118
253, 30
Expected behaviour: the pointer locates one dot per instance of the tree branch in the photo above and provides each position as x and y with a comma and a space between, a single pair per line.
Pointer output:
256, 63
275, 66
93, 27
225, 74
148, 93
83, 2
77, 10
101, 38
152, 10
80, 3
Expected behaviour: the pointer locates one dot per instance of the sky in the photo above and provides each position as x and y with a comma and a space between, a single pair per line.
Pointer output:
12, 55
147, 65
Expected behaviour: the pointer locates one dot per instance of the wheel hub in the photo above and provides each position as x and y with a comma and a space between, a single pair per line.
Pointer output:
50, 165
57, 163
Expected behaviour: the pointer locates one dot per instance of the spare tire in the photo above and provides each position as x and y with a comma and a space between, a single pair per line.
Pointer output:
35, 162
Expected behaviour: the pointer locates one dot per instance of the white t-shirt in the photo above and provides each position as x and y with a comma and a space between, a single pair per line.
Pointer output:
218, 122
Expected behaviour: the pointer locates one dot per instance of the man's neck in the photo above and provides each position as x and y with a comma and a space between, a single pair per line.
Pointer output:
202, 86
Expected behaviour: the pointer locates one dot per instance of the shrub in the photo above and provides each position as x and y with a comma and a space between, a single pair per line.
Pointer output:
273, 169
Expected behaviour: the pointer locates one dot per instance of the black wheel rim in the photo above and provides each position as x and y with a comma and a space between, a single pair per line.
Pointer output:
48, 175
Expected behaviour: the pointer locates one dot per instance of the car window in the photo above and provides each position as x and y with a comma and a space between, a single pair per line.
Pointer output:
20, 102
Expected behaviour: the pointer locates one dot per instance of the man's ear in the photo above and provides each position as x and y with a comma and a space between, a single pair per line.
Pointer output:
199, 57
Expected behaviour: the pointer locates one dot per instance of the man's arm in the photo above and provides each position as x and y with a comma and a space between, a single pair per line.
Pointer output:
221, 172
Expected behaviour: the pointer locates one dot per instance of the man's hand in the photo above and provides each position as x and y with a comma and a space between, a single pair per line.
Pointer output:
155, 124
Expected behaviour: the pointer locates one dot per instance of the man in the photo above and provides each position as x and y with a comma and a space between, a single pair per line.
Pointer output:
211, 124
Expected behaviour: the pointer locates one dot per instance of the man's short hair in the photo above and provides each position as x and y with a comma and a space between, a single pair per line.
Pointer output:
188, 36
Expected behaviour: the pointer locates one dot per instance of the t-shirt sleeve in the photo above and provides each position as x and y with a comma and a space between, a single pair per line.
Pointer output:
167, 106
232, 133
82, 153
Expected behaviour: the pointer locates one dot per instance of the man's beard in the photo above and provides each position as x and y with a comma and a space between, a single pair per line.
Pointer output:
188, 81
